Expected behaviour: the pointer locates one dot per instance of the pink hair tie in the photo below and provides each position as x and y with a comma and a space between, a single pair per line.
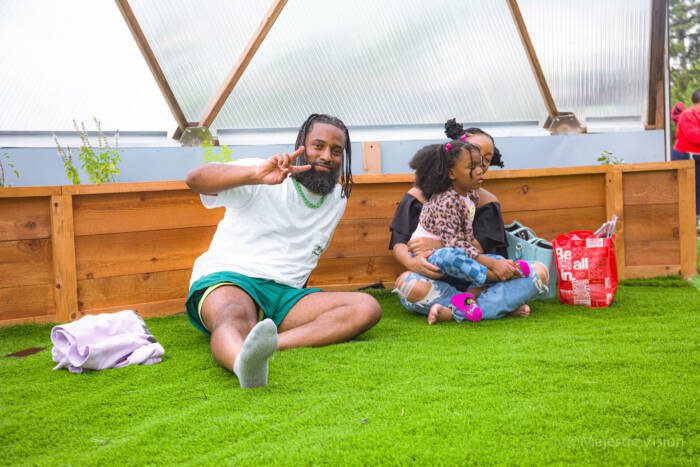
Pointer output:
448, 147
463, 138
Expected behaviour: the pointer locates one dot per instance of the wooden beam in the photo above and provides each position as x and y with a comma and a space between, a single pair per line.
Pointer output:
372, 157
660, 117
614, 205
32, 319
129, 187
532, 58
242, 63
26, 191
175, 185
686, 222
153, 65
656, 112
63, 248
145, 310
383, 178
654, 270
657, 166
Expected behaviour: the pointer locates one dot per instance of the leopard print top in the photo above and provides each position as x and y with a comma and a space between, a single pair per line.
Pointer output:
444, 215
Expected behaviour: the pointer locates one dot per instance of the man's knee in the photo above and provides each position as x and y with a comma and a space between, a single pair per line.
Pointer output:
368, 309
228, 314
541, 271
412, 290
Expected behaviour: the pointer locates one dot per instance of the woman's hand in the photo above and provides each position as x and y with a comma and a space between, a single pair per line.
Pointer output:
421, 265
423, 246
504, 269
415, 263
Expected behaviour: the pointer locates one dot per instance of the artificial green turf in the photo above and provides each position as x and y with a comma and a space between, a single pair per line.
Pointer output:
696, 280
569, 384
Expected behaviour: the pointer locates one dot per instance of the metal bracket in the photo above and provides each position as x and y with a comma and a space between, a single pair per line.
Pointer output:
564, 123
194, 135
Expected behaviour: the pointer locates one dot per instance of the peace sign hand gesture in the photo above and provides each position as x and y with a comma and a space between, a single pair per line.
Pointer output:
275, 169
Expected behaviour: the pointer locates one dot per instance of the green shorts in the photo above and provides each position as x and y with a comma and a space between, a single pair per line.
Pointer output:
274, 299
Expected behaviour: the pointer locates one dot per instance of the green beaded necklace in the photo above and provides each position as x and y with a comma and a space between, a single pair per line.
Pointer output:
306, 200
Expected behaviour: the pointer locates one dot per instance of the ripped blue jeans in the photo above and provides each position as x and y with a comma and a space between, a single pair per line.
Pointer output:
455, 262
495, 302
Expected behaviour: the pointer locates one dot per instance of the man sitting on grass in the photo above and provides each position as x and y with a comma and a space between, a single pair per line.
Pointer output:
280, 215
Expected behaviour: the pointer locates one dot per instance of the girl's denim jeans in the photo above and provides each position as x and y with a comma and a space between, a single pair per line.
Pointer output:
455, 262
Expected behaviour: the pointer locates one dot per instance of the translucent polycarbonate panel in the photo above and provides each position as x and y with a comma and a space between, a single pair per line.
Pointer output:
197, 43
387, 62
594, 53
73, 59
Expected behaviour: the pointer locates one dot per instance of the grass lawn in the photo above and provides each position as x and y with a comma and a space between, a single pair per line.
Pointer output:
569, 384
696, 280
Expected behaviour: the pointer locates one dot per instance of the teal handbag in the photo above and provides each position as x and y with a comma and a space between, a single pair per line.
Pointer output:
523, 243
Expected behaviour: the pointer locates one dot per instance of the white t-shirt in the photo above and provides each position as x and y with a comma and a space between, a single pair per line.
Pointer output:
471, 208
268, 232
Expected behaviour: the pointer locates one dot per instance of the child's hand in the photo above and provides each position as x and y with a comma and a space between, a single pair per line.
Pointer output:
477, 245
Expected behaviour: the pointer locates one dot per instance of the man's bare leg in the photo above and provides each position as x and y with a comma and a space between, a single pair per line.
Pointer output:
324, 318
237, 342
317, 319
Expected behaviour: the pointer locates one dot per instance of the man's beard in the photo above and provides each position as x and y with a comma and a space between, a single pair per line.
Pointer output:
321, 183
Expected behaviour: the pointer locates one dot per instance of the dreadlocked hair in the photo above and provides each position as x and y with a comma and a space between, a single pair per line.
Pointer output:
346, 172
432, 165
454, 130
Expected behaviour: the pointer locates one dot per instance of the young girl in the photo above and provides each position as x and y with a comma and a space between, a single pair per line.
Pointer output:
449, 175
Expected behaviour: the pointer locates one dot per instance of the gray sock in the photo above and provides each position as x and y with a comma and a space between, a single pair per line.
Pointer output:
251, 363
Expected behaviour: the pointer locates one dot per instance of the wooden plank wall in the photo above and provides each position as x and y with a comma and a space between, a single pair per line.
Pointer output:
73, 250
358, 254
26, 255
549, 204
135, 249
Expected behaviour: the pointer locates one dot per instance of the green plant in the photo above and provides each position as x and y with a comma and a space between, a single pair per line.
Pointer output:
67, 158
6, 166
210, 154
100, 163
607, 157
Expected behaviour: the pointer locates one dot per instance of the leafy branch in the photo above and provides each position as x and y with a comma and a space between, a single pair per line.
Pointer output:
607, 157
100, 163
6, 166
66, 155
224, 154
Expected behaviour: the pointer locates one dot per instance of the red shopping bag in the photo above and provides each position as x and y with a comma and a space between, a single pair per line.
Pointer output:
587, 268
